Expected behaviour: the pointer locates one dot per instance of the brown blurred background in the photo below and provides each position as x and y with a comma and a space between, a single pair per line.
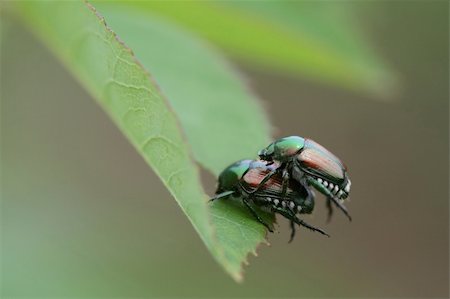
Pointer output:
82, 216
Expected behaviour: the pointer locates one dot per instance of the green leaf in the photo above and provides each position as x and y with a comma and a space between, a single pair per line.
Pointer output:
222, 120
318, 40
109, 70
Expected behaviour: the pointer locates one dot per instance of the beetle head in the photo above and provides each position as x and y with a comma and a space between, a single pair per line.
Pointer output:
230, 176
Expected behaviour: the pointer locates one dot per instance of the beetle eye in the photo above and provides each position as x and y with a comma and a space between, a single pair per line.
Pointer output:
267, 153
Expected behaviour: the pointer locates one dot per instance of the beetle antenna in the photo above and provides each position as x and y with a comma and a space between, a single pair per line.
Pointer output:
222, 195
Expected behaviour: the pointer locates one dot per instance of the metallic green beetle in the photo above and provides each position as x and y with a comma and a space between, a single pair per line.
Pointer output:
243, 179
310, 164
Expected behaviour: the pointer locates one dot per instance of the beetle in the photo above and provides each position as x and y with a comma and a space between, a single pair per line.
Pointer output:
310, 164
243, 179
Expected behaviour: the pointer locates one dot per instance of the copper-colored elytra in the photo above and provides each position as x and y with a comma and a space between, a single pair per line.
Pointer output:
254, 177
312, 144
313, 158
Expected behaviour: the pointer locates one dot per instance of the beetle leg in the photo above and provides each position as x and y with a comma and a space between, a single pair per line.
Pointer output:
329, 196
222, 195
284, 183
309, 226
329, 208
300, 222
292, 231
340, 206
255, 214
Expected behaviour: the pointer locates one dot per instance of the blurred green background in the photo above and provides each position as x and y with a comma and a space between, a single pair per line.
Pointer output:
83, 216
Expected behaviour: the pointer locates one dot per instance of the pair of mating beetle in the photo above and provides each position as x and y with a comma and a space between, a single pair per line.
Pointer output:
282, 179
